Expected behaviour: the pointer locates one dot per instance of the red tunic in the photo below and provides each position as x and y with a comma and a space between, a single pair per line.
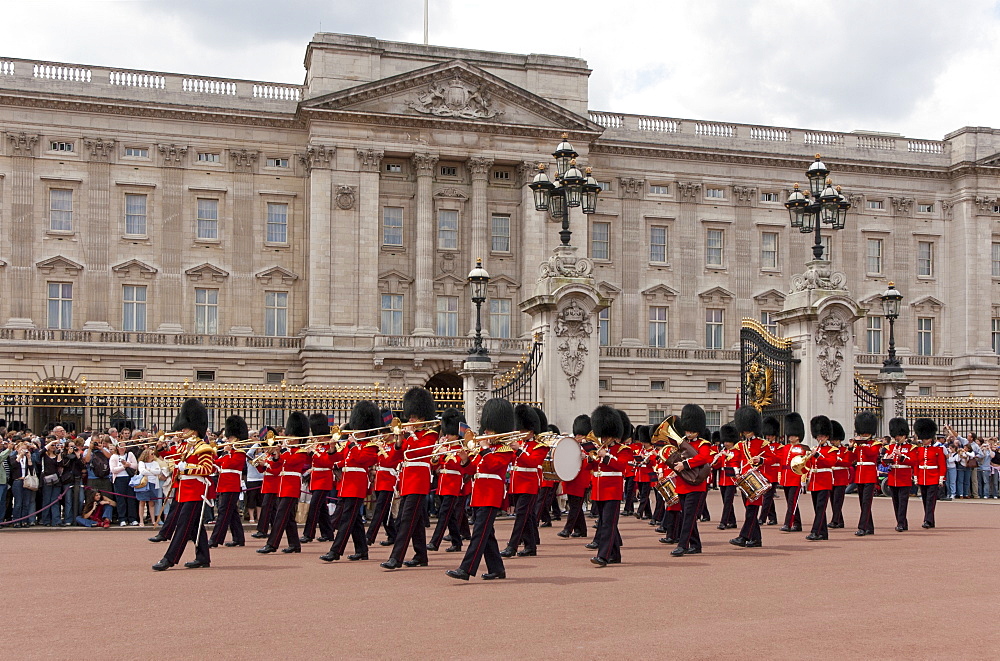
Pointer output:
865, 458
388, 469
744, 455
931, 465
451, 476
526, 470
578, 485
487, 484
771, 468
821, 469
642, 463
703, 457
272, 466
354, 462
321, 474
416, 478
842, 468
292, 464
901, 467
728, 464
608, 478
231, 472
194, 482
787, 477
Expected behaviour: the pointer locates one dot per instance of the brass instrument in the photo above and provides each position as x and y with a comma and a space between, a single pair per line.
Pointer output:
470, 442
798, 464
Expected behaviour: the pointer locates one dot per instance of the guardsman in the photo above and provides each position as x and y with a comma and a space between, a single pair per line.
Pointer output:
642, 450
268, 459
197, 464
900, 459
608, 461
576, 489
358, 454
320, 482
728, 465
931, 466
386, 478
525, 481
795, 431
547, 488
490, 464
841, 474
692, 492
230, 467
771, 468
752, 453
173, 455
451, 477
291, 465
865, 456
820, 480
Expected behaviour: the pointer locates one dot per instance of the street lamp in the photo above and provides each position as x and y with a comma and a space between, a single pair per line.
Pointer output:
571, 188
890, 307
828, 205
479, 280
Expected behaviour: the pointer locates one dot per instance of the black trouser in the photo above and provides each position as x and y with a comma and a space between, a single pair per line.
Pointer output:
484, 542
705, 514
837, 505
267, 504
900, 499
767, 511
449, 515
929, 494
410, 528
190, 527
382, 515
228, 519
542, 509
607, 537
319, 514
350, 525
751, 527
465, 531
128, 506
524, 530
793, 515
866, 492
575, 520
691, 509
728, 511
820, 500
672, 520
629, 495
284, 524
644, 510
659, 509
170, 523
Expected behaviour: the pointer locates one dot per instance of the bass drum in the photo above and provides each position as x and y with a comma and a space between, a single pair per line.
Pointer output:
563, 462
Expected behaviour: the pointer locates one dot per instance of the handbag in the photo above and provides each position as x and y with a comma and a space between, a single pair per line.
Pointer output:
30, 482
51, 480
138, 482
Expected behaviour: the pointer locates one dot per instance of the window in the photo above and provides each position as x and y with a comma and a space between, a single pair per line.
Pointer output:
873, 335
768, 197
924, 391
447, 229
602, 384
767, 321
925, 336
996, 208
657, 385
392, 314
207, 157
996, 335
713, 247
713, 328
208, 219
605, 185
61, 146
713, 420
60, 305
449, 171
714, 386
61, 210
500, 234
655, 417
659, 189
658, 326
134, 308
604, 327
204, 375
501, 175
135, 214
874, 256
394, 168
137, 152
658, 244
206, 311
274, 377
925, 258
715, 193
769, 250
277, 222
447, 315
392, 226
925, 208
277, 162
995, 259
276, 313
876, 205
827, 242
133, 374
600, 241
500, 317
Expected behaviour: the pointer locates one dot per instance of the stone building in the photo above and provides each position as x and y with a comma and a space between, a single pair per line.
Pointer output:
164, 227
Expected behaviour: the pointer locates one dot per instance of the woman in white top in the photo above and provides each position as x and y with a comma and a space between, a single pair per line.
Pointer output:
123, 466
150, 496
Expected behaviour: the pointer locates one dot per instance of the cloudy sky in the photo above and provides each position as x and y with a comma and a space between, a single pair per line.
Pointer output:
921, 68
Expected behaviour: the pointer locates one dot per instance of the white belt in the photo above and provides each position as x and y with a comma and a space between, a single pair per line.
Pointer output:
606, 474
840, 468
386, 469
492, 476
866, 463
899, 466
928, 468
284, 473
425, 464
316, 470
446, 471
822, 470
230, 470
353, 469
203, 480
775, 465
522, 469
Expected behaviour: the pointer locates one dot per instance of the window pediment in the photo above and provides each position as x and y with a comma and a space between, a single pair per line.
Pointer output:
206, 272
393, 281
59, 265
276, 274
134, 268
927, 304
659, 293
717, 295
770, 297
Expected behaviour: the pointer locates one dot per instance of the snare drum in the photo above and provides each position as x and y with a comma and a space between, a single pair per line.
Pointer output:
666, 488
562, 464
752, 484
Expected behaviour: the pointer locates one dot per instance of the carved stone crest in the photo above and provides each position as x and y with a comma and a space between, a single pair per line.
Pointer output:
455, 98
832, 334
346, 196
818, 275
172, 153
564, 264
573, 328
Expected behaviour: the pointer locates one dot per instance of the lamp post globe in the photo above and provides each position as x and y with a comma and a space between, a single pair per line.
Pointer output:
891, 299
479, 280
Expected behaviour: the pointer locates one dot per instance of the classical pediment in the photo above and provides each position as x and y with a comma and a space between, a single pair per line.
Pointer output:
59, 265
453, 91
717, 295
276, 274
769, 297
449, 284
659, 291
503, 286
927, 304
608, 290
133, 268
393, 281
206, 272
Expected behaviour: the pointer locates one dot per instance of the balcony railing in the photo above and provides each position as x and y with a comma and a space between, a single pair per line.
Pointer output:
458, 344
878, 359
670, 354
126, 337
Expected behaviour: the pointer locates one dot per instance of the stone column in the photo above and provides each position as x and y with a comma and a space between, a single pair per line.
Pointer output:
690, 319
369, 241
21, 268
531, 240
479, 169
478, 387
632, 227
892, 389
242, 245
423, 166
746, 266
321, 244
96, 230
170, 289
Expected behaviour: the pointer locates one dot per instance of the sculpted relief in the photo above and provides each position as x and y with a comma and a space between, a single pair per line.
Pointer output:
455, 98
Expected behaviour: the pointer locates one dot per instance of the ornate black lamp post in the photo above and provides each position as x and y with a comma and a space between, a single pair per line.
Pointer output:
479, 280
572, 188
890, 307
828, 206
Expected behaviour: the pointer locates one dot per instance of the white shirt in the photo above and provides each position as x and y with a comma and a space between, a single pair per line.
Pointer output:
118, 462
153, 472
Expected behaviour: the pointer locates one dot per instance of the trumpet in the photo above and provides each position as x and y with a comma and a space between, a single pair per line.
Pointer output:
798, 464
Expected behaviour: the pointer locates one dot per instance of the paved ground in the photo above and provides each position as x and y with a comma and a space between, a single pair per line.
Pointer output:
890, 596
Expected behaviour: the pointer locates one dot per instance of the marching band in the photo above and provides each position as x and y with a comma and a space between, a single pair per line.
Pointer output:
512, 460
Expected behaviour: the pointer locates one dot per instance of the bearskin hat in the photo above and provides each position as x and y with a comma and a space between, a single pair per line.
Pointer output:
837, 431
865, 424
900, 427
236, 427
714, 438
924, 428
627, 429
543, 422
795, 426
581, 425
297, 425
606, 422
450, 418
527, 419
555, 430
692, 419
729, 433
769, 426
497, 416
365, 415
319, 424
643, 434
418, 403
747, 419
194, 416
820, 426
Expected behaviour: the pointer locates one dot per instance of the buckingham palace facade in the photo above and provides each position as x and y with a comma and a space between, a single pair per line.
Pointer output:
163, 227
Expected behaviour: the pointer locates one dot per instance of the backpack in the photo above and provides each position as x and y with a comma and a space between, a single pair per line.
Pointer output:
99, 464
